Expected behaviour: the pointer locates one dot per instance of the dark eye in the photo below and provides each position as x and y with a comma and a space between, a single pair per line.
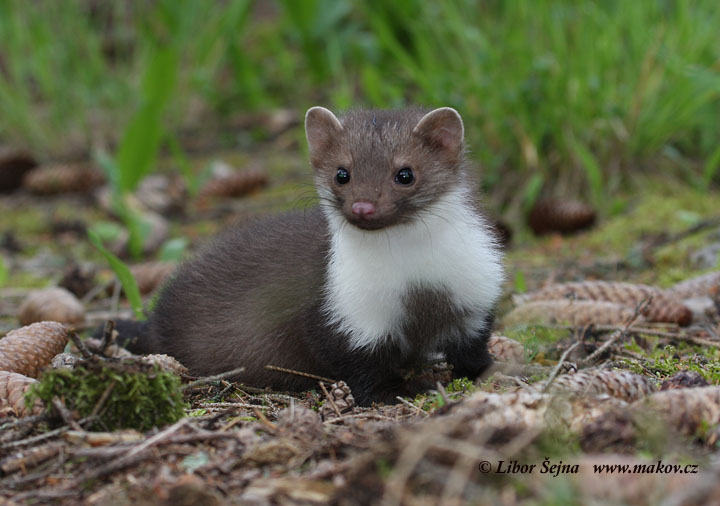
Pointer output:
342, 176
405, 176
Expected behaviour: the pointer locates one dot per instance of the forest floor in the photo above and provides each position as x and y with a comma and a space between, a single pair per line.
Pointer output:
576, 394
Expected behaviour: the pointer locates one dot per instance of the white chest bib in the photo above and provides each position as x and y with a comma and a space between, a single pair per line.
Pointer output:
448, 248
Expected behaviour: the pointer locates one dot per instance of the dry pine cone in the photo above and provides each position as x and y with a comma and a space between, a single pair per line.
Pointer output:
150, 275
29, 349
341, 397
706, 285
13, 387
506, 349
560, 215
63, 178
234, 185
166, 363
51, 304
571, 312
619, 384
661, 309
685, 409
14, 164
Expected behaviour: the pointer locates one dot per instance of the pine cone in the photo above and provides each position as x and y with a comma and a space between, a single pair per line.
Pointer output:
13, 387
28, 350
78, 279
560, 215
14, 164
342, 398
63, 178
150, 275
166, 363
51, 304
685, 409
162, 194
233, 185
700, 286
684, 379
593, 382
661, 309
571, 312
506, 349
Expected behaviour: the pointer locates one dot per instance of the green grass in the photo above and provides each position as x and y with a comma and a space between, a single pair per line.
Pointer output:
581, 91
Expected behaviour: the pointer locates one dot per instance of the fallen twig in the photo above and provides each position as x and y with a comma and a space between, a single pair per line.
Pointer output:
210, 379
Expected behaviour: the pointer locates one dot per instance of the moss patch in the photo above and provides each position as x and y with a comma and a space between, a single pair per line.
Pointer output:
140, 395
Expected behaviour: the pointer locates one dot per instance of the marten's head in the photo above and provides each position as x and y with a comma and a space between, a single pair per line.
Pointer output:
382, 168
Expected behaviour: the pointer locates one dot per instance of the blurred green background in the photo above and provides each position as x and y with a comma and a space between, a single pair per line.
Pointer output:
578, 95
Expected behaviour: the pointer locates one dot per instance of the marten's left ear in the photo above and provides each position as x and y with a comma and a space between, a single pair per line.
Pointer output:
442, 129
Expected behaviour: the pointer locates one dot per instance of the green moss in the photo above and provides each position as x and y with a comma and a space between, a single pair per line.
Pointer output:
140, 395
668, 360
664, 207
460, 386
26, 279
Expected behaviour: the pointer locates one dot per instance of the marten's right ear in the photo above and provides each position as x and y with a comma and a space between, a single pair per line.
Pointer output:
322, 129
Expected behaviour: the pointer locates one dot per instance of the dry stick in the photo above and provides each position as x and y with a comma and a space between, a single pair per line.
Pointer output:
115, 301
263, 419
330, 399
639, 309
443, 393
408, 459
157, 437
210, 379
40, 437
108, 337
84, 351
103, 398
300, 373
373, 416
90, 296
555, 371
65, 413
412, 406
28, 420
459, 477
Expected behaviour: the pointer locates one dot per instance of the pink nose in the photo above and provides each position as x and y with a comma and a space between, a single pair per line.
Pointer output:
363, 209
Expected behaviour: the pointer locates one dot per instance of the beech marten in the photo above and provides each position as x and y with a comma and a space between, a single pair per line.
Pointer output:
395, 264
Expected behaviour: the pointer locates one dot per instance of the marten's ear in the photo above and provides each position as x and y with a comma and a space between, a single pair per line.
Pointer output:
322, 129
442, 129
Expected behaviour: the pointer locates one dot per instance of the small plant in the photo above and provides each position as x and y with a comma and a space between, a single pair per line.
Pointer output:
122, 271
